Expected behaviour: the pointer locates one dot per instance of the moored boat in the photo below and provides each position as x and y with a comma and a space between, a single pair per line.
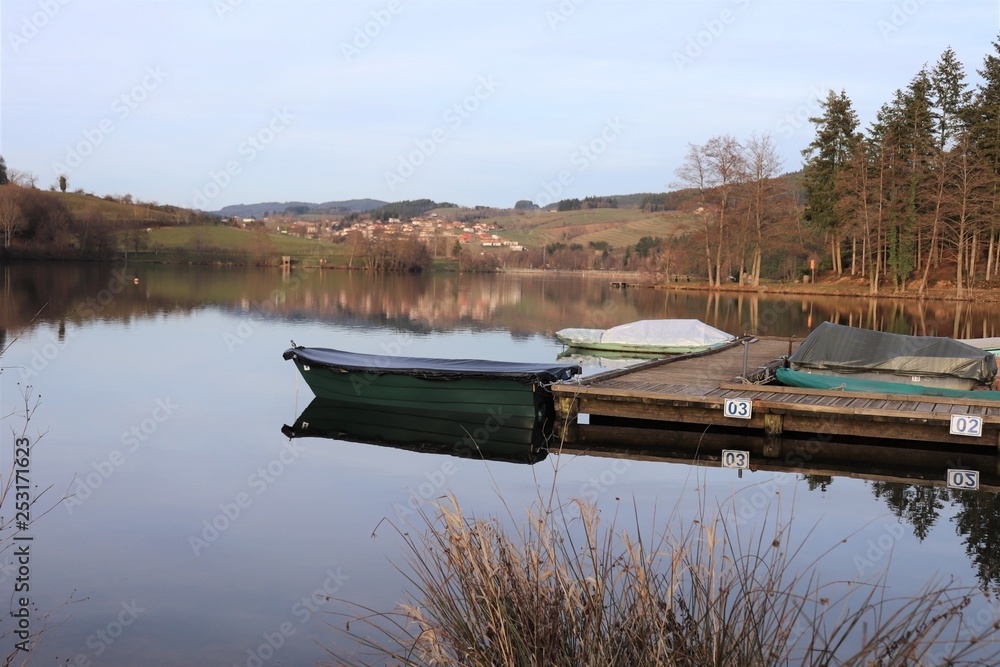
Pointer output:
647, 337
835, 356
432, 387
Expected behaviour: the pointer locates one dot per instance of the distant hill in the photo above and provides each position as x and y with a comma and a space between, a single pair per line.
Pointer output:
258, 210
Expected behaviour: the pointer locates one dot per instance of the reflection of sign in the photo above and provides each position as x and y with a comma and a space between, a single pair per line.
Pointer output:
966, 425
812, 264
739, 408
963, 479
734, 458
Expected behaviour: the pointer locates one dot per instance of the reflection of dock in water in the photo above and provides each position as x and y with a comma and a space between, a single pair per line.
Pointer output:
675, 407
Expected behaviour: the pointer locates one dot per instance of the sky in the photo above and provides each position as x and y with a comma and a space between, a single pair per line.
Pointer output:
209, 103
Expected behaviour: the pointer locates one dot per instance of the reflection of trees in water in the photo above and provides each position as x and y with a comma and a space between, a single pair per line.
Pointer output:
977, 520
978, 523
821, 482
919, 506
524, 304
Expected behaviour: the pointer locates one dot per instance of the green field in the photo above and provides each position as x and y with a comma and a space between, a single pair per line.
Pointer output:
203, 240
619, 227
81, 205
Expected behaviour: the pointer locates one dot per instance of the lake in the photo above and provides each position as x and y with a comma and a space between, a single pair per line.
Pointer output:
195, 532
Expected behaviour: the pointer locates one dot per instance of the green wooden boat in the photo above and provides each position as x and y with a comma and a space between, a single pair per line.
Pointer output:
439, 388
835, 356
491, 435
807, 380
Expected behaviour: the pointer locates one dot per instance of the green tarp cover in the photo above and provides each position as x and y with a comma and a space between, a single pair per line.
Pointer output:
843, 349
816, 381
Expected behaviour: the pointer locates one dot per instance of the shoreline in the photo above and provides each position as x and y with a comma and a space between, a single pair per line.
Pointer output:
843, 287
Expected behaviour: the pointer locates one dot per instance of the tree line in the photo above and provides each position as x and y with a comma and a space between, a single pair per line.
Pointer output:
915, 196
744, 208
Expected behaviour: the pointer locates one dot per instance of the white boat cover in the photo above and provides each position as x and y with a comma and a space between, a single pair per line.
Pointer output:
680, 333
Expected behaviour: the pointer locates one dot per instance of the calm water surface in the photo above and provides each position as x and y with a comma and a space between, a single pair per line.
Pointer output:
196, 533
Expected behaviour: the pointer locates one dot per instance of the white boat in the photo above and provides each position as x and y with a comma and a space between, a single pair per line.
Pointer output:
648, 337
988, 344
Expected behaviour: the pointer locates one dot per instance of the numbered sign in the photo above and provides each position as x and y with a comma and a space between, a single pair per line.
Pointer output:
966, 425
738, 408
963, 479
734, 458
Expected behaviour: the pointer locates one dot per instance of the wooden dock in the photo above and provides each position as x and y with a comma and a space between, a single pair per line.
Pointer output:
675, 406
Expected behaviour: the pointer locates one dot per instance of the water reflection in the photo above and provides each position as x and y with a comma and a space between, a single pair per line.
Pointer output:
465, 435
523, 304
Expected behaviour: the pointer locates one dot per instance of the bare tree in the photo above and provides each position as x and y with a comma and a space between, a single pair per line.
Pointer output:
726, 162
763, 165
694, 174
11, 219
25, 179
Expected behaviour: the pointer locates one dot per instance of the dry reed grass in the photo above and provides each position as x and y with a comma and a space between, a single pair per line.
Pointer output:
564, 589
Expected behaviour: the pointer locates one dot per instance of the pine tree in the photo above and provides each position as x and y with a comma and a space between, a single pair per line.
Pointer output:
4, 180
983, 121
825, 158
950, 99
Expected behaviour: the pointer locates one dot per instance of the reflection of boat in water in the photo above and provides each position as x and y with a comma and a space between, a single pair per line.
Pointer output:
490, 434
647, 337
835, 356
431, 387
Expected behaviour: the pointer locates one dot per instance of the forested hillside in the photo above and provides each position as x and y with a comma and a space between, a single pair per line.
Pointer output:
916, 194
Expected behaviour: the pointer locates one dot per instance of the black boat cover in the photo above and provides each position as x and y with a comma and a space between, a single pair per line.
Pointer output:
845, 349
436, 369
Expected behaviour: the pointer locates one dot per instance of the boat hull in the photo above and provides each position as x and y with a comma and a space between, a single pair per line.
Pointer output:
434, 397
829, 381
624, 349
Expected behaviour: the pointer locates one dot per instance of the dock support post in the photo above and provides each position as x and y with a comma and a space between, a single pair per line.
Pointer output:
772, 435
567, 409
998, 455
